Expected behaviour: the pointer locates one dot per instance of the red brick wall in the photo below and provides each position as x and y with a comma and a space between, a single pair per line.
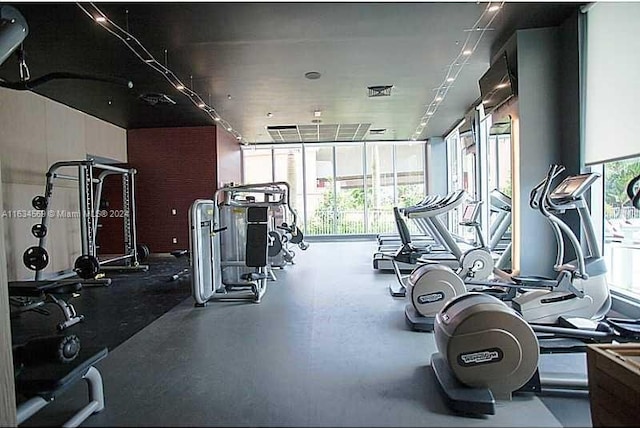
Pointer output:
175, 166
110, 237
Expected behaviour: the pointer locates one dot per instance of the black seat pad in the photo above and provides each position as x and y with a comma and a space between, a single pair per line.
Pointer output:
534, 280
410, 254
37, 288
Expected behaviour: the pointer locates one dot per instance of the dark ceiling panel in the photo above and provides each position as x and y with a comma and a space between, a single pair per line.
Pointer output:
258, 53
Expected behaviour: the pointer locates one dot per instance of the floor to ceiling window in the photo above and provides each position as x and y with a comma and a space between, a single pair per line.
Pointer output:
410, 174
611, 135
349, 189
343, 188
258, 165
320, 191
461, 163
287, 166
381, 187
621, 226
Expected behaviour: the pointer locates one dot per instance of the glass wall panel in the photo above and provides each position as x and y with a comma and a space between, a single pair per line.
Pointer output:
380, 188
454, 173
621, 226
498, 173
258, 167
288, 167
349, 190
499, 153
461, 154
410, 177
320, 190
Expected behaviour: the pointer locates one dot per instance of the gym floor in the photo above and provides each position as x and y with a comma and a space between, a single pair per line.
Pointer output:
327, 346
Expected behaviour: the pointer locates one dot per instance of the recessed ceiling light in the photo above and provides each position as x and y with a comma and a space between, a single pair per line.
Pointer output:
317, 113
423, 123
430, 113
238, 138
494, 8
201, 105
438, 98
101, 19
229, 96
450, 79
269, 114
229, 129
179, 87
467, 52
312, 75
217, 119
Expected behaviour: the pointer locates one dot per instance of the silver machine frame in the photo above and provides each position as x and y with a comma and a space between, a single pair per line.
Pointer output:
209, 247
90, 178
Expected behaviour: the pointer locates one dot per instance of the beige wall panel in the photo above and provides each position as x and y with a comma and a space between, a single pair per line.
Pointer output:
22, 136
36, 132
105, 139
63, 236
20, 216
65, 137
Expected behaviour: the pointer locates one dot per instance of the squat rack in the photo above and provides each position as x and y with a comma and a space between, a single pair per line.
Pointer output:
89, 204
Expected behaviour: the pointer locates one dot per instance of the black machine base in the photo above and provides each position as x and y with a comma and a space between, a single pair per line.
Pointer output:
416, 321
461, 398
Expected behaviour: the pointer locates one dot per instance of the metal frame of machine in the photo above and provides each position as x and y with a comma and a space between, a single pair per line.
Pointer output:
89, 214
220, 244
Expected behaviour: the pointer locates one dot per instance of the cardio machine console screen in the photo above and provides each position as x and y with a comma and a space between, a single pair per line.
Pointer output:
573, 187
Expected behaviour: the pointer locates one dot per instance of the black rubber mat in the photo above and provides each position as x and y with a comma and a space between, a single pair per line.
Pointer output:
115, 313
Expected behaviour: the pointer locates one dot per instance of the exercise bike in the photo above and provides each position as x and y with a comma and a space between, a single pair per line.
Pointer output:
475, 263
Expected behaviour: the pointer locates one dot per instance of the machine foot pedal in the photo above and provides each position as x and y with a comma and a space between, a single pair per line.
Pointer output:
416, 321
398, 291
461, 398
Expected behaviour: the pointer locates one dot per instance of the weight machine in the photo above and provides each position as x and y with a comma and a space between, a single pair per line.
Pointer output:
233, 241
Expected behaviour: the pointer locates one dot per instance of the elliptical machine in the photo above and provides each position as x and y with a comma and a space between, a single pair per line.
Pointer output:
579, 290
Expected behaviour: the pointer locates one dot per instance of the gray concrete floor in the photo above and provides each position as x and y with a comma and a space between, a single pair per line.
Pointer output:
327, 346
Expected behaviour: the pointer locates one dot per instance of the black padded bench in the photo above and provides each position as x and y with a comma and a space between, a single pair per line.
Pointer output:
35, 294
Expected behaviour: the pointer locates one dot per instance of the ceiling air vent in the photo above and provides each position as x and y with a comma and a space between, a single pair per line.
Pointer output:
378, 131
156, 98
318, 133
380, 91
